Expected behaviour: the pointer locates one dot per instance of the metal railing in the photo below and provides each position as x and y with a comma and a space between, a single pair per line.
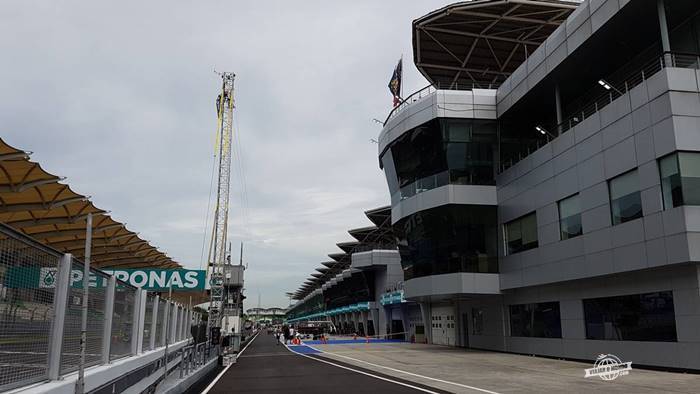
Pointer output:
430, 89
620, 85
40, 314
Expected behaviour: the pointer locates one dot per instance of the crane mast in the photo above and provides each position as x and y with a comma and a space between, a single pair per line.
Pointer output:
219, 257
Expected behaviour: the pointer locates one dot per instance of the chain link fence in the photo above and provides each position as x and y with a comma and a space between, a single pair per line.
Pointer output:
40, 288
122, 322
70, 352
147, 323
160, 322
27, 279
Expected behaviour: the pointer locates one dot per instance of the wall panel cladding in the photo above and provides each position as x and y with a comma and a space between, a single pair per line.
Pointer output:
583, 160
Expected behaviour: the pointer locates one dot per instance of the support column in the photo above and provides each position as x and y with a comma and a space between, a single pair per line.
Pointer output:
173, 324
663, 24
154, 321
427, 322
363, 315
406, 322
560, 116
109, 312
163, 326
139, 321
60, 303
378, 329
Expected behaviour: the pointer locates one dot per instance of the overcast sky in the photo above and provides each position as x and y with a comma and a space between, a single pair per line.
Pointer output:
119, 98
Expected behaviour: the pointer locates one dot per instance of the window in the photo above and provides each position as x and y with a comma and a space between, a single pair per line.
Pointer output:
639, 317
521, 234
625, 199
448, 239
570, 217
477, 321
539, 320
440, 152
680, 179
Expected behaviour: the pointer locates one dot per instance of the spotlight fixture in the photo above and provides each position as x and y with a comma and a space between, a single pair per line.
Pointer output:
544, 131
607, 86
604, 84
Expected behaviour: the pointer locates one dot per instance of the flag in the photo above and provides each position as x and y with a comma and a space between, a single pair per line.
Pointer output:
395, 84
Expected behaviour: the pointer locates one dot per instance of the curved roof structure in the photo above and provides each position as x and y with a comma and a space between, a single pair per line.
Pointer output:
480, 43
36, 203
379, 236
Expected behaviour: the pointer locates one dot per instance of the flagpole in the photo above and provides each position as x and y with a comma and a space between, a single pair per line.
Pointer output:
401, 92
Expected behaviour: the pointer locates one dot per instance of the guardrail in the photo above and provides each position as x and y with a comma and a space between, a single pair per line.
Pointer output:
618, 86
41, 309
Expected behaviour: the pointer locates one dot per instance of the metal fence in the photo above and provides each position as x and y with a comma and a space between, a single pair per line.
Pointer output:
148, 323
41, 309
26, 309
122, 323
160, 320
70, 350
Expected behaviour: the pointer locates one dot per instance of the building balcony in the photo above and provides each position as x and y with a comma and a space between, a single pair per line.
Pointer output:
591, 104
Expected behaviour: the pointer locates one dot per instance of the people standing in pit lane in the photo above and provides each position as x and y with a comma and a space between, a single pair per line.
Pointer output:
285, 332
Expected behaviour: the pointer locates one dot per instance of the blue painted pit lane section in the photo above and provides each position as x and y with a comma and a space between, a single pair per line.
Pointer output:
303, 349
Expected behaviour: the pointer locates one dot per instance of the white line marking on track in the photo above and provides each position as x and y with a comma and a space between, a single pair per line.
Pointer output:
362, 372
216, 379
410, 373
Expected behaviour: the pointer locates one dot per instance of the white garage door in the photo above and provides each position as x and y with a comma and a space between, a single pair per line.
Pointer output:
444, 325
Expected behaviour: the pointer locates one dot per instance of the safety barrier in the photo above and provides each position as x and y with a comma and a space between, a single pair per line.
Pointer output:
41, 309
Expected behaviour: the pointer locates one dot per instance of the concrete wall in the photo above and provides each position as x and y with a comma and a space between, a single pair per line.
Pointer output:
658, 117
443, 195
452, 284
683, 280
579, 26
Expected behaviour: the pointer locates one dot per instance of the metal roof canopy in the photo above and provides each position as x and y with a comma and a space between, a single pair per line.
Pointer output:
480, 43
35, 203
380, 235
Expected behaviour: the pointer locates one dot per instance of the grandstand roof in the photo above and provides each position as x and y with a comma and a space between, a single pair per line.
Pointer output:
42, 206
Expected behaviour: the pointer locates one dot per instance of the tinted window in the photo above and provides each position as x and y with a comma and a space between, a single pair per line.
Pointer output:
447, 239
625, 199
359, 287
521, 234
680, 179
570, 217
540, 320
639, 317
442, 151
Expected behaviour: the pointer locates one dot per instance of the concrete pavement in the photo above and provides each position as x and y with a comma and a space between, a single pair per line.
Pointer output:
472, 371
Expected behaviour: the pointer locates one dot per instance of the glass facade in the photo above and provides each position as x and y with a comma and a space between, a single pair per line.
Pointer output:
447, 239
441, 152
541, 320
680, 179
570, 217
625, 198
521, 234
639, 317
359, 287
313, 305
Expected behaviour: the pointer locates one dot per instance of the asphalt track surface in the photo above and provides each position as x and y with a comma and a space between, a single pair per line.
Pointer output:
268, 367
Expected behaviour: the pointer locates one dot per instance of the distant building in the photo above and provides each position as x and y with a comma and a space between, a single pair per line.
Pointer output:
266, 315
